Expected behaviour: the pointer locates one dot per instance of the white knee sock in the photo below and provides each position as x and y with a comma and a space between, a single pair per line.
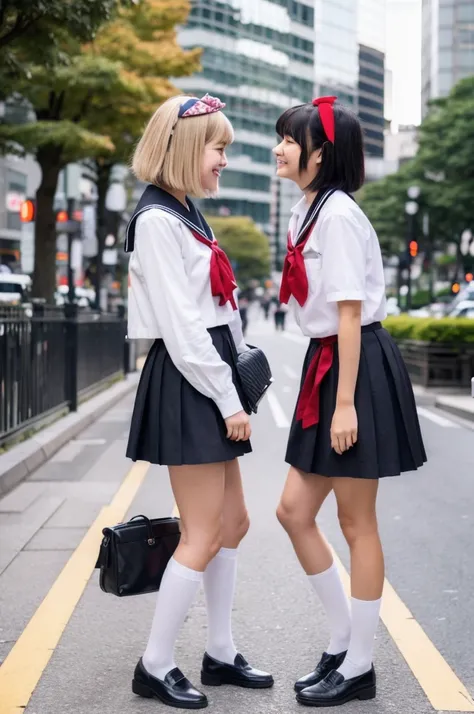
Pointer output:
219, 588
365, 618
328, 586
177, 592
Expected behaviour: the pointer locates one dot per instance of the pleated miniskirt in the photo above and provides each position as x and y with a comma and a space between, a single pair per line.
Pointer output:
389, 436
174, 424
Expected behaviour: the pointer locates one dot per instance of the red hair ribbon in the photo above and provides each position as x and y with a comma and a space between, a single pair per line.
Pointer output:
326, 112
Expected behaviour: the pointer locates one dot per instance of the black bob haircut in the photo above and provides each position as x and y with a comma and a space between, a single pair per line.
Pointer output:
342, 164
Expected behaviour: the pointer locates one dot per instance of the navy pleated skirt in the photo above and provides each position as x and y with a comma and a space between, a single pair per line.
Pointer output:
174, 424
389, 436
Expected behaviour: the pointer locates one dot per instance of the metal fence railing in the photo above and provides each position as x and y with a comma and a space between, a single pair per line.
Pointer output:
50, 357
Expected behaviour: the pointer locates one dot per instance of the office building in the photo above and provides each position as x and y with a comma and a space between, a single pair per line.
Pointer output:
371, 29
447, 46
258, 57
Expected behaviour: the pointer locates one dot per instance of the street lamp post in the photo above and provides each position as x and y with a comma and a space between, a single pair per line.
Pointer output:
411, 209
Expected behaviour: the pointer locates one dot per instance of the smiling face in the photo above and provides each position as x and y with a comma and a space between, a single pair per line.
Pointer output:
214, 160
288, 154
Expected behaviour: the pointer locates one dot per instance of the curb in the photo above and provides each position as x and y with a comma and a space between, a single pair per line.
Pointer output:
21, 460
458, 406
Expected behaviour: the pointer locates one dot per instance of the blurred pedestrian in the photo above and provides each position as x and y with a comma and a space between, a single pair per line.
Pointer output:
356, 419
243, 309
266, 303
188, 411
280, 315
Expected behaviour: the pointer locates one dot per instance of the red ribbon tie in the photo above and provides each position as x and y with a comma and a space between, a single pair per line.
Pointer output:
307, 410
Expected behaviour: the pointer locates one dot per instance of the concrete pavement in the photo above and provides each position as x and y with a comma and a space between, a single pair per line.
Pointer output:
426, 524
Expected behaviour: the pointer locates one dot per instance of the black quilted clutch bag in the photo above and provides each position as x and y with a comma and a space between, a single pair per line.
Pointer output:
255, 377
133, 556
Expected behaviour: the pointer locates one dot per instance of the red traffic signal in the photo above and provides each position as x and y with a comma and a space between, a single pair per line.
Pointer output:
469, 277
455, 287
413, 248
27, 211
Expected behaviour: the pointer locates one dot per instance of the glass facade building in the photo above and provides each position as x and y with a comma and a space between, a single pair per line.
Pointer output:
448, 46
258, 57
371, 32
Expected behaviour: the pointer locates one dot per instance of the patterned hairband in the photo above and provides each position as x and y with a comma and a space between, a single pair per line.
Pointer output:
197, 107
326, 113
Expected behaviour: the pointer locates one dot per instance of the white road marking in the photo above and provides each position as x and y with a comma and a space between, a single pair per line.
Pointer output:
436, 418
290, 372
277, 411
91, 442
299, 339
67, 454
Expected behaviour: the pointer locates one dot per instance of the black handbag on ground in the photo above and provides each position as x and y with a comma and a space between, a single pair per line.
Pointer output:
133, 556
255, 377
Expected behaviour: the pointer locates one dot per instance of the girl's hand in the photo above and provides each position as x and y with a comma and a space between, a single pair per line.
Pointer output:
343, 428
238, 427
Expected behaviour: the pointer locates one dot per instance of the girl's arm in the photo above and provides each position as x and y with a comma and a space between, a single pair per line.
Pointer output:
178, 317
344, 245
344, 423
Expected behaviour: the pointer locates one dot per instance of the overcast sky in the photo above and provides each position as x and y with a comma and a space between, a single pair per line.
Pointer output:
404, 58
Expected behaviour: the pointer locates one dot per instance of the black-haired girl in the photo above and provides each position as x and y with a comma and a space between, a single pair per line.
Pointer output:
356, 419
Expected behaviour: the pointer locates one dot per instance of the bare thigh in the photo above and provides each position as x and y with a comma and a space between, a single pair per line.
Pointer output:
199, 493
356, 505
235, 520
302, 498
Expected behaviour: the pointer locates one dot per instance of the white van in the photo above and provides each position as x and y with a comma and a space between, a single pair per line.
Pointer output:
14, 288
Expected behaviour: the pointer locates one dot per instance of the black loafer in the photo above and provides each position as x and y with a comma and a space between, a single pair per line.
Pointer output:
241, 674
334, 690
327, 663
175, 690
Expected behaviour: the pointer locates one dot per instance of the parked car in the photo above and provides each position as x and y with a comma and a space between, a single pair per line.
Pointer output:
14, 288
463, 309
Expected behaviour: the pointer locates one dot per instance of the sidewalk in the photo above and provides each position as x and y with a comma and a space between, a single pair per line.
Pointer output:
68, 647
23, 459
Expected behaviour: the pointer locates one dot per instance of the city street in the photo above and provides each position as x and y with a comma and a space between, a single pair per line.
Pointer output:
73, 648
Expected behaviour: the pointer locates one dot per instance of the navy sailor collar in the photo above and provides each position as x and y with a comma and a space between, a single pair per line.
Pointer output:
155, 197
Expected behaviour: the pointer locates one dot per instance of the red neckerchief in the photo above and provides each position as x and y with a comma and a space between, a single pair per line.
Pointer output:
223, 281
294, 280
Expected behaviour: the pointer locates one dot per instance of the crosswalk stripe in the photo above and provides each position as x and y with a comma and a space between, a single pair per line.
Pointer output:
437, 418
290, 372
278, 414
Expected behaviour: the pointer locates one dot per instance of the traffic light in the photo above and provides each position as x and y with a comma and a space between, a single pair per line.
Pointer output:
27, 211
413, 248
455, 288
469, 277
62, 217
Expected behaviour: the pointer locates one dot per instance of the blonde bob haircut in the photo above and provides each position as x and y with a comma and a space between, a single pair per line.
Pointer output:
176, 162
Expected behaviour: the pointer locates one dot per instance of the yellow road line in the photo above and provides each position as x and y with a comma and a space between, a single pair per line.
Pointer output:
25, 664
443, 688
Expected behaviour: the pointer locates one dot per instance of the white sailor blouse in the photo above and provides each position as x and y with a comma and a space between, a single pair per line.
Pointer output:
181, 284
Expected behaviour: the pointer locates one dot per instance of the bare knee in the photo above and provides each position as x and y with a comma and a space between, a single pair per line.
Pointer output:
293, 518
242, 527
201, 545
235, 530
355, 527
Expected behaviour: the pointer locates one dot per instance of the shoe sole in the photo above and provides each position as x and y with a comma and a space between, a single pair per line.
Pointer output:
363, 695
143, 691
300, 689
213, 680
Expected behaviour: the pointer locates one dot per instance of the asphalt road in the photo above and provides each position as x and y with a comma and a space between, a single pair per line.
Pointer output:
426, 521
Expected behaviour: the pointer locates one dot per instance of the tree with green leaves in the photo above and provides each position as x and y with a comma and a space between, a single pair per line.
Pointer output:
444, 171
33, 28
143, 40
93, 103
246, 245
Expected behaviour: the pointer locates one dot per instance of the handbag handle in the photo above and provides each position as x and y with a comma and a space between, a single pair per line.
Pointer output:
151, 539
